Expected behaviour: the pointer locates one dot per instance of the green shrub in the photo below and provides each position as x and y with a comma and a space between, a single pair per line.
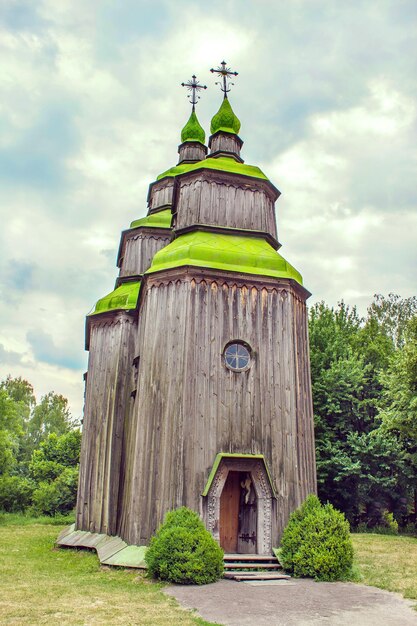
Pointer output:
389, 526
15, 493
316, 542
183, 551
59, 496
410, 529
184, 517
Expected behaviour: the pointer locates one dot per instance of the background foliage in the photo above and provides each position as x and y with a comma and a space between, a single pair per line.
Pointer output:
364, 377
39, 451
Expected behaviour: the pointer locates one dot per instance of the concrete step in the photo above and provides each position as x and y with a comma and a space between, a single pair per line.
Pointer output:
246, 565
241, 576
264, 567
250, 557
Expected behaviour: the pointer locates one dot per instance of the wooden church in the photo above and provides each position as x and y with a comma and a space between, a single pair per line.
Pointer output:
198, 386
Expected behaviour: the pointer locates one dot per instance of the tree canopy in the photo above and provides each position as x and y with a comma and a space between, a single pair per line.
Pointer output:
364, 381
39, 450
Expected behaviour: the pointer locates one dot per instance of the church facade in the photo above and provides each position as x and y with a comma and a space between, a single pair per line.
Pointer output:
198, 388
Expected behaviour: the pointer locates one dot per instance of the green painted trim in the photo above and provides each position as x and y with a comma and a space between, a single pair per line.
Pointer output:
125, 297
225, 119
193, 131
224, 164
111, 549
228, 252
161, 219
234, 455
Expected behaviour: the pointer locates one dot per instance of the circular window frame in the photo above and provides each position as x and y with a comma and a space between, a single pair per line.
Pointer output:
239, 343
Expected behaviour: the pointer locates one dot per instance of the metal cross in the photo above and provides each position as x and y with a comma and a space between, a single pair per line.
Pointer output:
194, 86
224, 72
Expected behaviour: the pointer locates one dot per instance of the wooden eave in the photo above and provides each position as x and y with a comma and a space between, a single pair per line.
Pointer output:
242, 279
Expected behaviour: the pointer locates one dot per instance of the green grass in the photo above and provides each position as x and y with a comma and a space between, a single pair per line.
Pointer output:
41, 584
388, 562
20, 519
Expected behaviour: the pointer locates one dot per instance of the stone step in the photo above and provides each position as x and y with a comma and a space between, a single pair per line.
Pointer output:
242, 576
250, 557
264, 567
249, 565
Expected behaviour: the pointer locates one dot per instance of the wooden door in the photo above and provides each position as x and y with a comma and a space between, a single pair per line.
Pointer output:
229, 513
248, 516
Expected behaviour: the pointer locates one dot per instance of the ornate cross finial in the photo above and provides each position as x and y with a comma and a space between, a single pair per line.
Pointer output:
224, 72
194, 86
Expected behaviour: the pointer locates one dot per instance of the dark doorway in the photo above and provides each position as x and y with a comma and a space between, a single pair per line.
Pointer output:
238, 514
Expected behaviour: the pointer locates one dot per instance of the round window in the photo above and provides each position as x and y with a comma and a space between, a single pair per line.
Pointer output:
237, 356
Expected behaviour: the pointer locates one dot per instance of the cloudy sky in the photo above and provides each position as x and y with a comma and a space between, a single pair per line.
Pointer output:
91, 112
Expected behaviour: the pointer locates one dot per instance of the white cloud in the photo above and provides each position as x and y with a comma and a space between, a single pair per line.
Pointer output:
91, 112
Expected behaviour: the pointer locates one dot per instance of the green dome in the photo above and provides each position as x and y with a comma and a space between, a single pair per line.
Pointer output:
232, 253
224, 164
225, 119
161, 219
193, 131
123, 297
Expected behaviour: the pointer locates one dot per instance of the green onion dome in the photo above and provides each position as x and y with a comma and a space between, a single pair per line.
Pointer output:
193, 130
232, 253
225, 119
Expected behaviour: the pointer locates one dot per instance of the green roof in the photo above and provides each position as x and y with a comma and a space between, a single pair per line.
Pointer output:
193, 130
225, 119
123, 297
161, 219
232, 253
225, 164
235, 455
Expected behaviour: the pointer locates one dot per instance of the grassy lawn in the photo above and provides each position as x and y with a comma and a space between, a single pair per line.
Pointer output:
40, 584
388, 562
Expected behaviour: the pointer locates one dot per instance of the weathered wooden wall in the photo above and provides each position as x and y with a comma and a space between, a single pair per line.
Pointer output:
222, 142
108, 387
139, 247
160, 194
190, 406
236, 204
191, 152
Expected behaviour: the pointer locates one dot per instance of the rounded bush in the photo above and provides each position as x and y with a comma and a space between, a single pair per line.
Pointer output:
184, 517
15, 493
316, 542
58, 496
183, 551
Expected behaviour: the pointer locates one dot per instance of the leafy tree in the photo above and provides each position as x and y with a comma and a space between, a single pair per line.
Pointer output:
57, 496
19, 390
11, 431
399, 401
39, 450
360, 469
392, 314
54, 455
51, 415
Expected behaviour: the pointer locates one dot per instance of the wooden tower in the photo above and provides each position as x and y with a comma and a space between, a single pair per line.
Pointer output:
198, 387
